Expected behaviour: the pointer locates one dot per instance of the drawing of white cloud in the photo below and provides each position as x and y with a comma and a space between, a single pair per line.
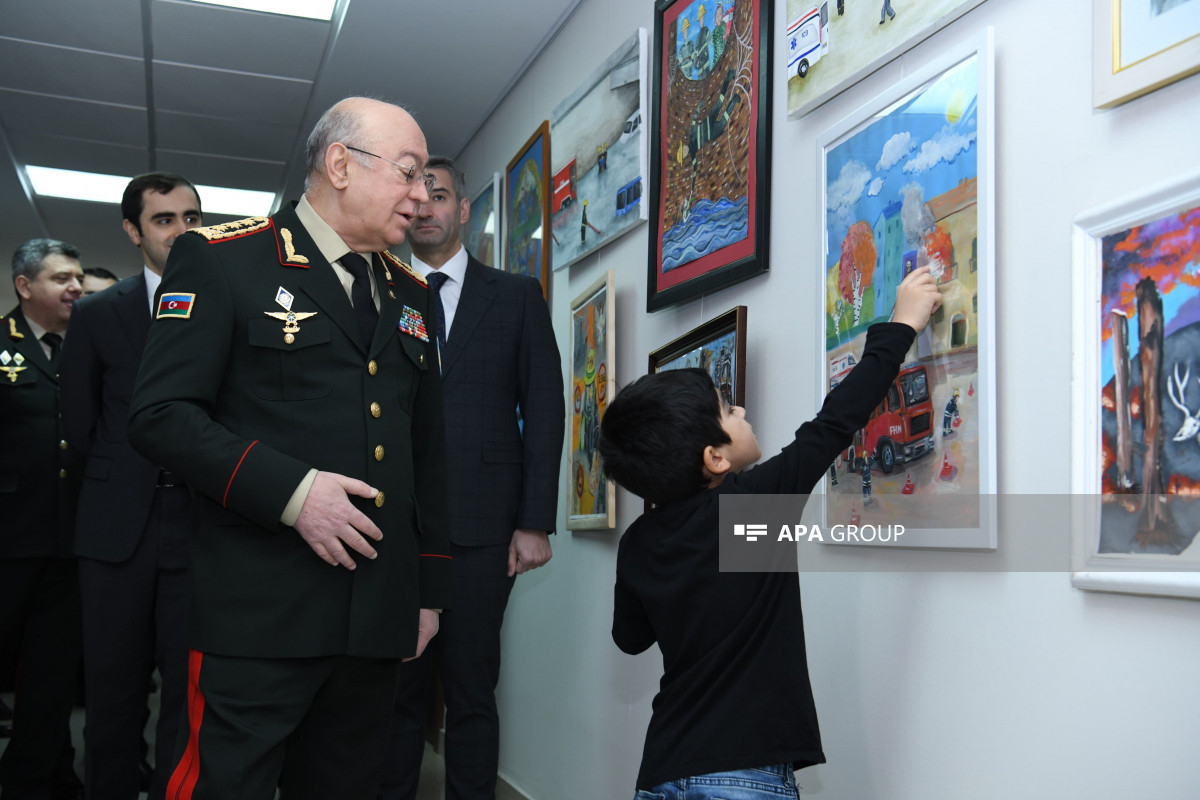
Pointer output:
894, 149
944, 147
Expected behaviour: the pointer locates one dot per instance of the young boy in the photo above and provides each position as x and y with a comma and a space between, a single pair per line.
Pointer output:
734, 707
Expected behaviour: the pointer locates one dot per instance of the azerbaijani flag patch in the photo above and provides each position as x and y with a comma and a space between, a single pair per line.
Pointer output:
176, 304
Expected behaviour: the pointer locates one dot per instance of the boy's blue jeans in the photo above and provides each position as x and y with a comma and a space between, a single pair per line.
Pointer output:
764, 783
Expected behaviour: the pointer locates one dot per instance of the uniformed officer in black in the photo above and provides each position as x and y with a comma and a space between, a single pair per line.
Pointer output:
39, 481
290, 377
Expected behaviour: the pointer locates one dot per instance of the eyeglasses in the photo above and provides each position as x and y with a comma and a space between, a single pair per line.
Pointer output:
408, 172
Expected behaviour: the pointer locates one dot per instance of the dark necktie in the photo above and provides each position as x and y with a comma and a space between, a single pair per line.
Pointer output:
55, 343
436, 281
360, 296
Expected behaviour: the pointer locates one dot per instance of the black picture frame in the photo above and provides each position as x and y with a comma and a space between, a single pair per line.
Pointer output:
709, 150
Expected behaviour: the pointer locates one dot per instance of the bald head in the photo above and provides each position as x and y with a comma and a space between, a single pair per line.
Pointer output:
366, 159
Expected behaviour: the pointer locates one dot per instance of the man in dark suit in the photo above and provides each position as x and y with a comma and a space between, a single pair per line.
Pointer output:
292, 383
131, 529
498, 357
39, 474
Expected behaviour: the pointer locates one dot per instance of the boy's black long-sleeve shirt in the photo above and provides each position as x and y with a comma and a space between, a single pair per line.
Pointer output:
735, 691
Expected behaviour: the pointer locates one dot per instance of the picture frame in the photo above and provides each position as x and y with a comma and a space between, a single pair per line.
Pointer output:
591, 496
1134, 456
831, 45
709, 148
527, 209
718, 346
901, 187
481, 235
599, 155
1139, 46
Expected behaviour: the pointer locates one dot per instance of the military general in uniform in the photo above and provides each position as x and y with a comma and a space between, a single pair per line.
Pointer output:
290, 378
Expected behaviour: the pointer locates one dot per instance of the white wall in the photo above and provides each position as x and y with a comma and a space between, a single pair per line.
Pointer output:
928, 685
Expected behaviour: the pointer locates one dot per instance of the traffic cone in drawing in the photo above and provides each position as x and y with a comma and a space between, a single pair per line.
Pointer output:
854, 518
949, 472
909, 487
971, 389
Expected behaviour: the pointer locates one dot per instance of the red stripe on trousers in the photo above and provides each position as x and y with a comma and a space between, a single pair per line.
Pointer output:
187, 771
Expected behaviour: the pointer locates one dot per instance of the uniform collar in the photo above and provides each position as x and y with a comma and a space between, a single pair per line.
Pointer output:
323, 235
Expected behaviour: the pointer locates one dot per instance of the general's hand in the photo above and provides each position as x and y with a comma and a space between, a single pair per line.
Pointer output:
328, 521
427, 628
917, 297
529, 549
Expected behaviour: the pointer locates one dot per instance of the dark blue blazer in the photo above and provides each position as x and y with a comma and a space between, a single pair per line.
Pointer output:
99, 367
501, 358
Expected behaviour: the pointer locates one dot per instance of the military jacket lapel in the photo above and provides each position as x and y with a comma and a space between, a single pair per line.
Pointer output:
28, 346
317, 278
389, 308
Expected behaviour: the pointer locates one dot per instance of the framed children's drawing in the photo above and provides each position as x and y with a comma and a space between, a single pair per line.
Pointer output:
483, 228
1141, 45
709, 147
907, 182
718, 347
829, 46
591, 496
527, 209
1136, 394
598, 155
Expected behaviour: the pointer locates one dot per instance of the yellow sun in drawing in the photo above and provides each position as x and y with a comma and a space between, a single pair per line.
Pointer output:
956, 106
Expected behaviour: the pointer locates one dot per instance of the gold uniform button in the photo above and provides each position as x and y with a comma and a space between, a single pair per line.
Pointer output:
62, 473
288, 338
372, 366
376, 410
62, 445
379, 500
379, 452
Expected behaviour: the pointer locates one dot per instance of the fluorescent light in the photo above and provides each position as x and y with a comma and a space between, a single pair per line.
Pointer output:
74, 185
238, 202
312, 9
91, 186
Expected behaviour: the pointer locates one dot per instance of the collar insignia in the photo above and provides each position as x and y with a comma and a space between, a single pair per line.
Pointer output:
289, 249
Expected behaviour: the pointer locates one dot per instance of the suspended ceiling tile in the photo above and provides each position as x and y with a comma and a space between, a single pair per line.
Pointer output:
94, 227
229, 95
267, 44
68, 72
76, 119
111, 26
61, 153
211, 170
224, 137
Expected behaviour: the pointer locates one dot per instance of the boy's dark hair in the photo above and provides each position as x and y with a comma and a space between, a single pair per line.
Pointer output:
654, 432
133, 201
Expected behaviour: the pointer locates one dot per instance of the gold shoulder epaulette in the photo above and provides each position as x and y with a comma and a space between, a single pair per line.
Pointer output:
229, 230
405, 268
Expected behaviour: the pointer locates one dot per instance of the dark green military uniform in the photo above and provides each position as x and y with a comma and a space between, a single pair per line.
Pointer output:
242, 409
39, 591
